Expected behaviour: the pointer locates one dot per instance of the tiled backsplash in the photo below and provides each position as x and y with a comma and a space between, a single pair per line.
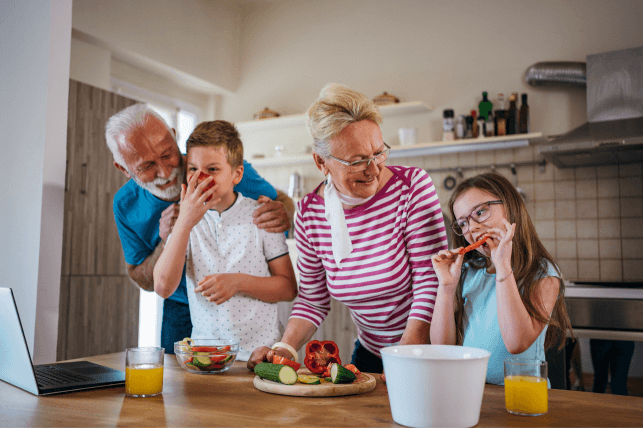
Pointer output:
589, 218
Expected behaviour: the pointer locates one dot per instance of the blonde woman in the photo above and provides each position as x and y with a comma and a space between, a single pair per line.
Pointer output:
365, 236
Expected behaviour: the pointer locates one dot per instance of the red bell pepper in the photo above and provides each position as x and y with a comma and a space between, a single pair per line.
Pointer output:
319, 354
281, 360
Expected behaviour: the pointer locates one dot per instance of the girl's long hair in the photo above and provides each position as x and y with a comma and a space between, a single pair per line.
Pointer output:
528, 258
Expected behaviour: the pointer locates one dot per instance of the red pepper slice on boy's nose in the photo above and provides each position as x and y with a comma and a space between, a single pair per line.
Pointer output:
319, 354
202, 176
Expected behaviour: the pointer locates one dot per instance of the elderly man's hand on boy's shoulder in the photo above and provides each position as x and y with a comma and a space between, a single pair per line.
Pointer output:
271, 215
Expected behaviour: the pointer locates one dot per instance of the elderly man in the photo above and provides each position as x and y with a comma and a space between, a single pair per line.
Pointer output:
145, 208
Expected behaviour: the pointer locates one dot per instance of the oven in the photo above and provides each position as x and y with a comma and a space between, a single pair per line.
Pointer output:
606, 310
602, 310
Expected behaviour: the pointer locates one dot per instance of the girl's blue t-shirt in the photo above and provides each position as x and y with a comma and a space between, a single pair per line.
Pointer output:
480, 322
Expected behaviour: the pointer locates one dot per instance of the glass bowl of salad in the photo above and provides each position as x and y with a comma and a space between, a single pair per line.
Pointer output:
206, 356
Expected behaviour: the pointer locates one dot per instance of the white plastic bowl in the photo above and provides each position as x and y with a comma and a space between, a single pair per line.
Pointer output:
435, 385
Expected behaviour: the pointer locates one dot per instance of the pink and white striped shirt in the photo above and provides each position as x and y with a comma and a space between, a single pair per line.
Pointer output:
389, 277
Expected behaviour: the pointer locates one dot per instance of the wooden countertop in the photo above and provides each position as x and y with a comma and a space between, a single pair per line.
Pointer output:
230, 399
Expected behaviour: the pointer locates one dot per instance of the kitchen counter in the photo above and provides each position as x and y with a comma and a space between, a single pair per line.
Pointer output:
230, 399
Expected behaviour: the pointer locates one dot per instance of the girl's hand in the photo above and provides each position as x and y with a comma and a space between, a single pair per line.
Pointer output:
447, 265
193, 201
219, 287
500, 244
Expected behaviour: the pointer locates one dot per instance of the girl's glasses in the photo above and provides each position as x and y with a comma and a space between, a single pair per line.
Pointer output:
361, 165
480, 213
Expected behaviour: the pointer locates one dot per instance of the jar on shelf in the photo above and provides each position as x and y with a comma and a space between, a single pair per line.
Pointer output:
386, 99
265, 114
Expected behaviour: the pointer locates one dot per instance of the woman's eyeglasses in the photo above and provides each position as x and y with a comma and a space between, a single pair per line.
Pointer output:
480, 214
361, 165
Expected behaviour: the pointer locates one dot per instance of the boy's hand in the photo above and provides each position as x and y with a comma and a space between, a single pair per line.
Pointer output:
219, 287
271, 215
447, 265
194, 200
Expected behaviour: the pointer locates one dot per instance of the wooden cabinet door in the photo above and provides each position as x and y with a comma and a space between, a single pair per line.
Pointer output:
98, 302
101, 316
91, 242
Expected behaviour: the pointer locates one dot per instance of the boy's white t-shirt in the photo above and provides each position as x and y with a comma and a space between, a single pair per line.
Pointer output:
231, 243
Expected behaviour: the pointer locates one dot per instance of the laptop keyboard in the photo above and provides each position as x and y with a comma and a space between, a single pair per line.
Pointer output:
52, 375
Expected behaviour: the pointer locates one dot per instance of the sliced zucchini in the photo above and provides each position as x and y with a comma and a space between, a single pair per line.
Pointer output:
308, 379
201, 361
276, 373
339, 374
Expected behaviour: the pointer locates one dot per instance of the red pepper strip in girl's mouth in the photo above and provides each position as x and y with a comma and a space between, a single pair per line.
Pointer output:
474, 245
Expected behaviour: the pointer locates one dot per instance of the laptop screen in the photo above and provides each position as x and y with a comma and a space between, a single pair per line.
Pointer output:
15, 362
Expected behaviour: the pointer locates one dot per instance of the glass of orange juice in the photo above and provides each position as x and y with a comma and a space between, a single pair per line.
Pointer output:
144, 371
526, 387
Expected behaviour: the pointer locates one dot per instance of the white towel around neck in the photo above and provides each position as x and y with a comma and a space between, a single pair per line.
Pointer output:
334, 213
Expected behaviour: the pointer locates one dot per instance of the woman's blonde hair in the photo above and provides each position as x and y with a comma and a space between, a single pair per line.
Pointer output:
336, 108
528, 258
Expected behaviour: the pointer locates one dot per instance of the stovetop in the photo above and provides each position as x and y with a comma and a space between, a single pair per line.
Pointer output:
604, 290
629, 284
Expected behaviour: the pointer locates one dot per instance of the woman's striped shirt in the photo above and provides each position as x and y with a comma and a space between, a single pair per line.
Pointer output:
388, 278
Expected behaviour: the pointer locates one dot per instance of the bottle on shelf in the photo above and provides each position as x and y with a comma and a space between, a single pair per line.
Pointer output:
469, 131
500, 117
481, 128
523, 126
485, 107
512, 115
460, 127
448, 133
474, 130
488, 126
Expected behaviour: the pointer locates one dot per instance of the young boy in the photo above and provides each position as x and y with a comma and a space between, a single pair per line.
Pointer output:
235, 271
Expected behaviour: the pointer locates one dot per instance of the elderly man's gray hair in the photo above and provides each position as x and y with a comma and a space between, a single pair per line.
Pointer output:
124, 122
336, 108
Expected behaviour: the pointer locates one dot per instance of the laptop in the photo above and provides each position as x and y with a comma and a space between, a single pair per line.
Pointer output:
17, 368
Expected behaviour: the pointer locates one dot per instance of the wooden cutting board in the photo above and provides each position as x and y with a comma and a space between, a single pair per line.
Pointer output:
366, 383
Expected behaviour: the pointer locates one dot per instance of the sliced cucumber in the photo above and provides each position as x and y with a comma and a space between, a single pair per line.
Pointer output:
276, 373
339, 374
202, 361
309, 380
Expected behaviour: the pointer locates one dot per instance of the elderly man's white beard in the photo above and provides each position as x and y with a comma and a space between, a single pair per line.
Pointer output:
171, 192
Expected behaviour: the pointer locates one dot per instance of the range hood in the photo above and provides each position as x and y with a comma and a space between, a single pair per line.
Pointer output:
614, 131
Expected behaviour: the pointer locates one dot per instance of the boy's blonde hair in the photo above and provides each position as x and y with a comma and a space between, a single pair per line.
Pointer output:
218, 133
336, 108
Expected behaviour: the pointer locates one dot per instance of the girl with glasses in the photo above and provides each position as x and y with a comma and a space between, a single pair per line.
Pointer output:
506, 296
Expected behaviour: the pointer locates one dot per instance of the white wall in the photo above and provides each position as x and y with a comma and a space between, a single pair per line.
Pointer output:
441, 53
197, 39
35, 37
90, 64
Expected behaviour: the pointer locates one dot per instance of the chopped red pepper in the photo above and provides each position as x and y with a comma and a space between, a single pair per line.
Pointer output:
319, 354
352, 368
281, 360
203, 176
474, 245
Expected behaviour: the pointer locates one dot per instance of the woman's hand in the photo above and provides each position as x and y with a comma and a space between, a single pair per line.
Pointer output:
447, 265
194, 202
219, 287
263, 353
500, 244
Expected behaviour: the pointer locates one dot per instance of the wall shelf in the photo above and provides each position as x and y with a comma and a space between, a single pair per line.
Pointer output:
300, 119
422, 149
